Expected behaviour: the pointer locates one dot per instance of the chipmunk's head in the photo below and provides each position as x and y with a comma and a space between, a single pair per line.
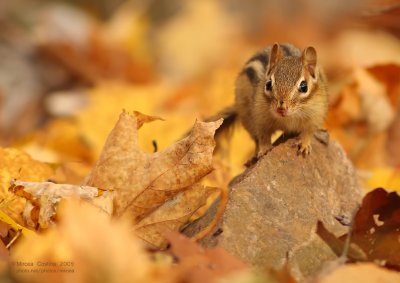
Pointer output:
290, 81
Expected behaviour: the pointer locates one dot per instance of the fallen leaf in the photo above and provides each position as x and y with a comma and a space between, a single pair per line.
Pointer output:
128, 29
73, 40
17, 164
376, 227
14, 225
202, 265
371, 151
157, 191
383, 15
360, 272
375, 230
71, 173
389, 75
85, 247
143, 119
375, 104
144, 181
172, 215
346, 107
45, 196
4, 227
60, 141
4, 255
283, 275
359, 117
379, 48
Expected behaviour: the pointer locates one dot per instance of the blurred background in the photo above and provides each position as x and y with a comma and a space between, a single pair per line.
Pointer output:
68, 69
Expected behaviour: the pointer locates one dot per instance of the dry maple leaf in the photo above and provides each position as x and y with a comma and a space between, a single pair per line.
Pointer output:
375, 231
158, 192
43, 197
144, 181
172, 215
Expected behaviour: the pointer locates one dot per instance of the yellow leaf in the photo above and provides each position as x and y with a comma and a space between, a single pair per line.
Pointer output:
85, 247
385, 177
7, 219
59, 141
16, 164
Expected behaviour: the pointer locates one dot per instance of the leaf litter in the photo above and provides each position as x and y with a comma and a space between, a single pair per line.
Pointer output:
157, 192
365, 104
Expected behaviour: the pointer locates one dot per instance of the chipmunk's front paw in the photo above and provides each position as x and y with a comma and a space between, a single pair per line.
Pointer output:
303, 147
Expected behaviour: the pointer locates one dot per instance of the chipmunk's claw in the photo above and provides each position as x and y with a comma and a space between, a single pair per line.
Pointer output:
303, 148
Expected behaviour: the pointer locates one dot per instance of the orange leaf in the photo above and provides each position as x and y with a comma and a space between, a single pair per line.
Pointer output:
202, 265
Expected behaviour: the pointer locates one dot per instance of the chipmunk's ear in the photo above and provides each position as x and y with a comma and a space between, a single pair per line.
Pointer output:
309, 59
275, 56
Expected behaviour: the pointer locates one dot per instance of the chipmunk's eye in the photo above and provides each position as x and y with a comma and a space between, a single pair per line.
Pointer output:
303, 87
268, 85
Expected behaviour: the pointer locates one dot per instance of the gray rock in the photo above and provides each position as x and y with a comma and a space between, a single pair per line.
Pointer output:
275, 204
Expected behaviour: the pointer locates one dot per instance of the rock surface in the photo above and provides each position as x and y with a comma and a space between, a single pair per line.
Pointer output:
275, 204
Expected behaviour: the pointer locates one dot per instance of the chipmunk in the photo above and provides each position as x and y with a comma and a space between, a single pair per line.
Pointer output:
279, 88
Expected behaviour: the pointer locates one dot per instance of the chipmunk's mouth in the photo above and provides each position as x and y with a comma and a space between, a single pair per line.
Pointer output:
283, 112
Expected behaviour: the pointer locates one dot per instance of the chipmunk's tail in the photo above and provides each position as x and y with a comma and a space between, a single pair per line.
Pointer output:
229, 115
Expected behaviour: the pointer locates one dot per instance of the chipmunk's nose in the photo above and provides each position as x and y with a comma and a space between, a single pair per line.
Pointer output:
282, 111
282, 108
